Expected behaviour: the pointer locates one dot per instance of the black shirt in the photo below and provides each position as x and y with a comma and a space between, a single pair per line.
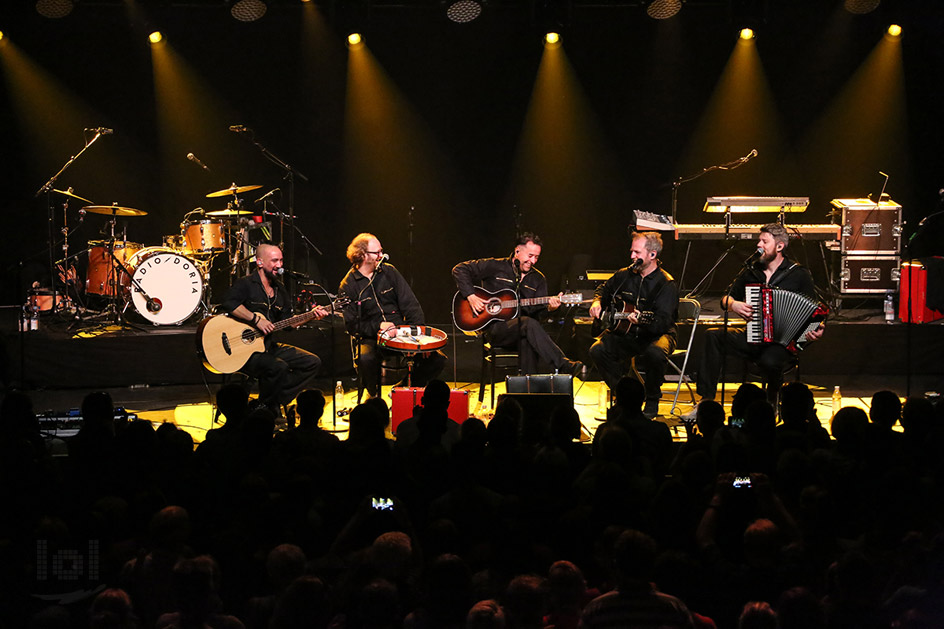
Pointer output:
494, 274
248, 291
657, 293
388, 298
788, 276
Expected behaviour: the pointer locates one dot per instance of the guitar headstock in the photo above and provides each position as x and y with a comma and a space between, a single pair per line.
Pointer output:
572, 298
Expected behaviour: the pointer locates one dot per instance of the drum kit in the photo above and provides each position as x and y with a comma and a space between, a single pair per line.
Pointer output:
164, 284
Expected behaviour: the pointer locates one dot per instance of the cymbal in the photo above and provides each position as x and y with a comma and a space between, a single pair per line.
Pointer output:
232, 190
114, 209
229, 213
69, 193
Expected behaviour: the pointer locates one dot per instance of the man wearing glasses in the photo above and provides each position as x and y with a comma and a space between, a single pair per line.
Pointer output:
381, 299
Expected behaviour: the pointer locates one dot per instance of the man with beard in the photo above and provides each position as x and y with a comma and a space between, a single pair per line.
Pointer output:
773, 269
261, 300
381, 301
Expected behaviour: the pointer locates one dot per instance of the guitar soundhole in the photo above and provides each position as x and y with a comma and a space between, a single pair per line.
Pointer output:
248, 336
226, 346
493, 307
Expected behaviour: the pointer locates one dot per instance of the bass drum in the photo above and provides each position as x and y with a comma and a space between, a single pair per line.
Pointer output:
172, 281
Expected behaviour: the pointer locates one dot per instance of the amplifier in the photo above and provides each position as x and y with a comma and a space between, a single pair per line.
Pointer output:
869, 228
914, 285
405, 399
866, 275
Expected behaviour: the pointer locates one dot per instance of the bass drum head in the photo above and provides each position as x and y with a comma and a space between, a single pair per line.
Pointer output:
173, 282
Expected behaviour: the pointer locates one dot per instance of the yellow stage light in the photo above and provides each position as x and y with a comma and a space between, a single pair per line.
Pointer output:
894, 30
552, 37
155, 37
1, 35
354, 39
747, 33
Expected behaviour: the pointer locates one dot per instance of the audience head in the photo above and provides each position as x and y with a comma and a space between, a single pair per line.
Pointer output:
634, 556
310, 405
98, 411
284, 564
796, 404
436, 396
233, 401
885, 409
630, 394
524, 601
849, 426
745, 395
486, 614
112, 609
799, 608
757, 615
709, 417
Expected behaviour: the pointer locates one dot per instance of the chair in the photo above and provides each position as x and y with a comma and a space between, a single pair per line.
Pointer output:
541, 383
495, 358
688, 310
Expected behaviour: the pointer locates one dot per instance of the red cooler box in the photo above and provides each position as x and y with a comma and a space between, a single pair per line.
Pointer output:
919, 284
405, 398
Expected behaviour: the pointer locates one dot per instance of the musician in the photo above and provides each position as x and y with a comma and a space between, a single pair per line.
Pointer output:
261, 300
381, 300
773, 268
516, 272
646, 287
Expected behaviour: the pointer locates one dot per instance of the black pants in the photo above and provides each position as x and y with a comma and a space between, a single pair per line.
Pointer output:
772, 360
536, 343
282, 371
612, 353
426, 365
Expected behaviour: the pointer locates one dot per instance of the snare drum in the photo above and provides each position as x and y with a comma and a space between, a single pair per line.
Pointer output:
202, 237
103, 273
172, 281
39, 301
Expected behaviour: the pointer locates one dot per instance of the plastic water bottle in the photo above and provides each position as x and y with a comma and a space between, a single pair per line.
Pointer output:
603, 399
837, 400
338, 395
889, 307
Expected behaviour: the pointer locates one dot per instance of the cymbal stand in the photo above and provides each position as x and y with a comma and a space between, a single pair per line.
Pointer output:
46, 189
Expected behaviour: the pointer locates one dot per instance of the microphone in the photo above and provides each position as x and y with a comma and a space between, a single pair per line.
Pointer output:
754, 256
153, 305
238, 128
101, 130
267, 195
750, 155
196, 160
382, 259
295, 274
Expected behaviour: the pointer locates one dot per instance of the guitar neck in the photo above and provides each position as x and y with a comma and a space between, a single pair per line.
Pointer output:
293, 321
528, 301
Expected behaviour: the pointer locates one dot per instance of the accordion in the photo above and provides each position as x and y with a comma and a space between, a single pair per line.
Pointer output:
782, 316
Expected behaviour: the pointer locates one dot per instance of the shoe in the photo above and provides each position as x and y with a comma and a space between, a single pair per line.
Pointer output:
575, 368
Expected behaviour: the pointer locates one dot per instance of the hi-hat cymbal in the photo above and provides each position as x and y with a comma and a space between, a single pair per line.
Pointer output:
232, 190
69, 193
114, 209
229, 213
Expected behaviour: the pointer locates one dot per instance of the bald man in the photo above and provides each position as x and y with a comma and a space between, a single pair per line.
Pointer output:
261, 300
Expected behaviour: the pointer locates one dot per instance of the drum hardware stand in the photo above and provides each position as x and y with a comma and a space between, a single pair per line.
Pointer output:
47, 189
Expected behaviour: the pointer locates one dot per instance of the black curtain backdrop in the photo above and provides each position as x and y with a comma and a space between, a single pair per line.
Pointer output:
646, 84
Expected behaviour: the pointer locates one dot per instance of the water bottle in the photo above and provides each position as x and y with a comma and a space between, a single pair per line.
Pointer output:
603, 399
889, 307
338, 394
837, 400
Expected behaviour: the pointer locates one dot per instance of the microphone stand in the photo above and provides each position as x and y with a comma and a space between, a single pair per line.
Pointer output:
724, 324
46, 189
290, 174
409, 240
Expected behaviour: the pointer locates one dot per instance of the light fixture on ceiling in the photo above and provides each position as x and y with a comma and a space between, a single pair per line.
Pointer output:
663, 9
54, 9
248, 10
463, 11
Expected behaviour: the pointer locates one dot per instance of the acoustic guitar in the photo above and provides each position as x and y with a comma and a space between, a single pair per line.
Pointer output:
501, 305
615, 319
226, 344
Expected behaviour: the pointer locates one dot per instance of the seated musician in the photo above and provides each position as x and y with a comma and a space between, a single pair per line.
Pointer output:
774, 269
381, 300
642, 287
516, 273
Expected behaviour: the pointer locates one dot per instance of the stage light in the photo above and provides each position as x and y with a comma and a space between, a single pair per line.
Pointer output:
462, 11
54, 9
354, 39
861, 7
747, 33
248, 10
894, 30
1, 35
663, 9
155, 37
552, 37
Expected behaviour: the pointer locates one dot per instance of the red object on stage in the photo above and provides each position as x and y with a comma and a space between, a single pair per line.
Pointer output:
405, 398
916, 287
